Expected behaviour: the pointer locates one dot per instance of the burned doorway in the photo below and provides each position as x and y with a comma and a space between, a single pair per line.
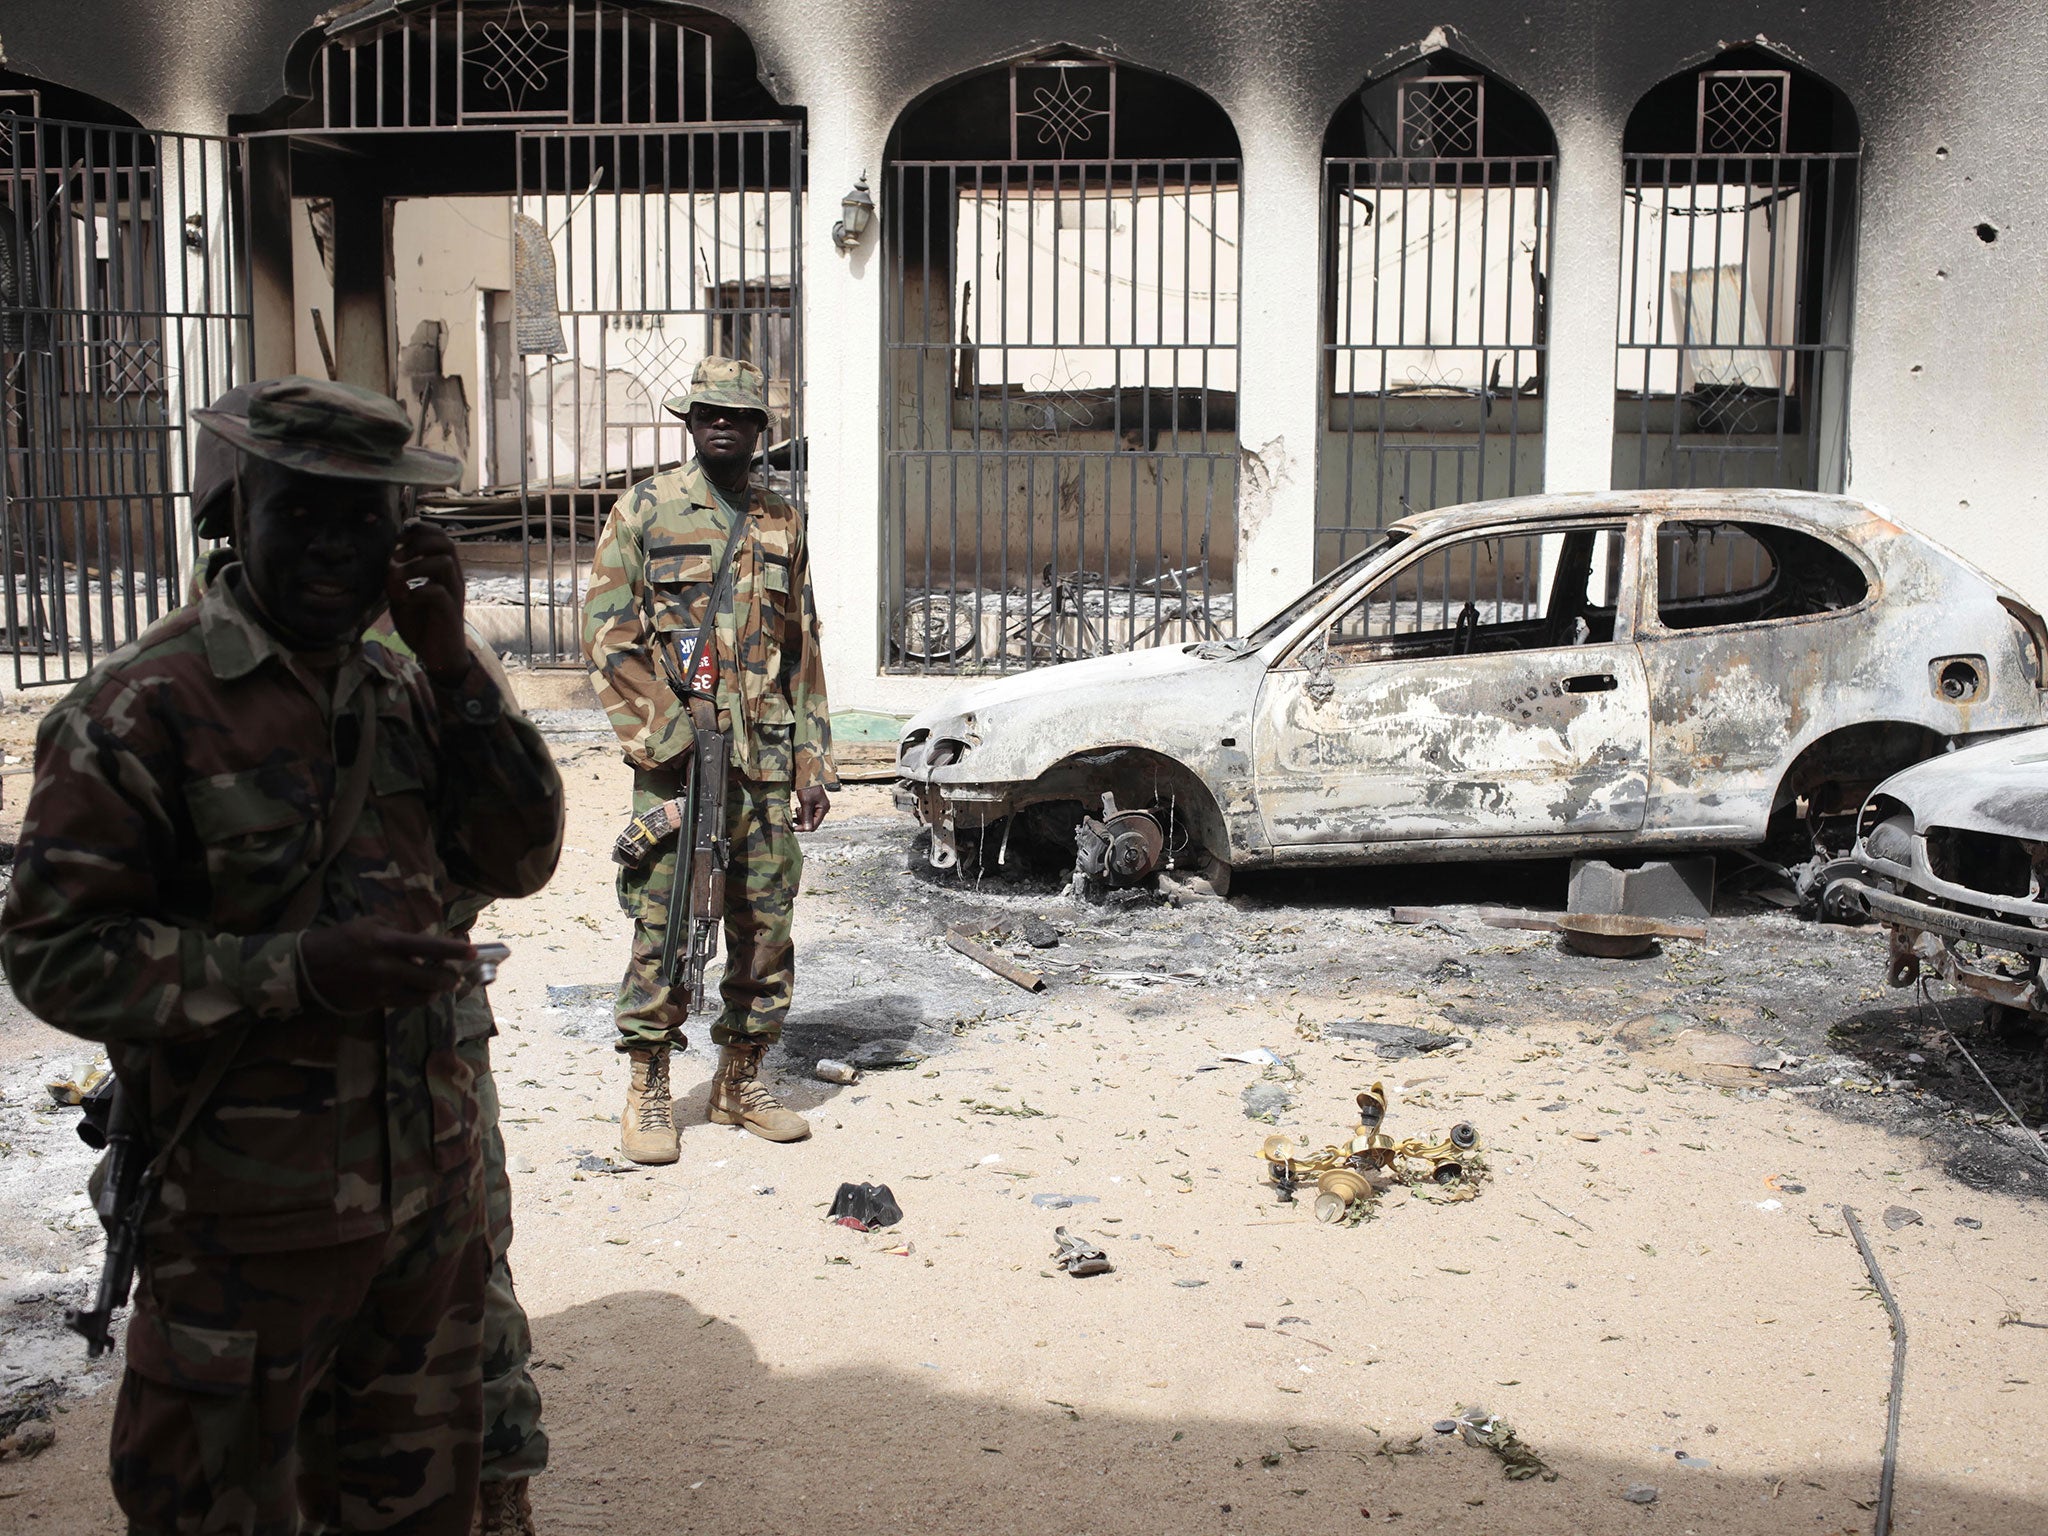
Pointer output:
1061, 357
1738, 266
124, 303
1436, 247
529, 222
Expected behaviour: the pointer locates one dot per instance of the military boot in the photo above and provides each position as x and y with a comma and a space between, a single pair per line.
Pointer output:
738, 1097
647, 1129
503, 1509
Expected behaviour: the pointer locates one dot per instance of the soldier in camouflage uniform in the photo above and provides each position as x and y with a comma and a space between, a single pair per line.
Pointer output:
305, 1344
656, 565
515, 1445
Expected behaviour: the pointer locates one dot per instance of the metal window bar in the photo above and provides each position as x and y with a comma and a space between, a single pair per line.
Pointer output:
126, 306
1436, 326
1061, 346
512, 63
1734, 347
693, 245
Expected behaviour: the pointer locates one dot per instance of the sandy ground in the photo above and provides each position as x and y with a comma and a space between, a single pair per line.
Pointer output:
1657, 1267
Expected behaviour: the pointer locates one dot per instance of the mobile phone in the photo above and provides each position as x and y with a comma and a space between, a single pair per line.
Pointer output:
483, 970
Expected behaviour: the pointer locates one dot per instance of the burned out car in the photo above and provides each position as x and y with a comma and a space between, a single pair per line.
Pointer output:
1543, 676
1952, 857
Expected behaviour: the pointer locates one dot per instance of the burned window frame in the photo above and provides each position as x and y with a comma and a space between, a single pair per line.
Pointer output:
1650, 619
1024, 525
1786, 171
1318, 646
1402, 447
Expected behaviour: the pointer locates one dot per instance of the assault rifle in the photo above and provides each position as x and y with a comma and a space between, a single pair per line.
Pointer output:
696, 819
121, 1202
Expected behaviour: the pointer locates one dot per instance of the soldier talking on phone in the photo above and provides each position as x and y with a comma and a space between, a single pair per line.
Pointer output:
245, 836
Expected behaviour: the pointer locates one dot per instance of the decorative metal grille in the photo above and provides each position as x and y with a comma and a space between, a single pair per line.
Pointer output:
1744, 111
498, 63
1442, 117
124, 304
1063, 112
1061, 340
694, 246
1437, 277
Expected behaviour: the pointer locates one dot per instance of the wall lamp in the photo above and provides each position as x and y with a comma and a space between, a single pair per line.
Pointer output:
858, 206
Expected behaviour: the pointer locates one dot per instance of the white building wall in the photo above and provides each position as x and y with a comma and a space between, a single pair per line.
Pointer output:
1947, 404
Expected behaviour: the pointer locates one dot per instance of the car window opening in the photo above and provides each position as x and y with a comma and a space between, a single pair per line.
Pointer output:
1494, 593
1320, 592
1720, 573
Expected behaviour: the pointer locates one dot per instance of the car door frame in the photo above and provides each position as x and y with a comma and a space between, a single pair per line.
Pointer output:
1295, 801
1732, 705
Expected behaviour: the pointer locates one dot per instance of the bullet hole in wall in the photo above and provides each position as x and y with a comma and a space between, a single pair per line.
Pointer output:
1988, 233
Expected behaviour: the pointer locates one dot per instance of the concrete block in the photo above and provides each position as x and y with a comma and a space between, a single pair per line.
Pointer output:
1678, 890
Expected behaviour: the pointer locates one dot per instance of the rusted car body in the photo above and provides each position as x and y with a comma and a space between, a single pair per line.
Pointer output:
1952, 858
1543, 676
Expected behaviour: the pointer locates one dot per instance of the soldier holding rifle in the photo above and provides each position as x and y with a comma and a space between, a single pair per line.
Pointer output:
702, 636
245, 837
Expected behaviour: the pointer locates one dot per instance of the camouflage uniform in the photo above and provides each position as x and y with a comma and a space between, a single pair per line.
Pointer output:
662, 545
305, 1341
515, 1443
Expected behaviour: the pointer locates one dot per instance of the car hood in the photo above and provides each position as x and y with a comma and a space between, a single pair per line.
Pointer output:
2000, 787
1096, 672
1174, 699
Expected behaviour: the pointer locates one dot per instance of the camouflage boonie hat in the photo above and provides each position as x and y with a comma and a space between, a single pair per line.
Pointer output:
213, 471
340, 431
723, 381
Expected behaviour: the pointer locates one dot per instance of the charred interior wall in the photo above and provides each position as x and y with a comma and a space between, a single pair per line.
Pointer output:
1948, 395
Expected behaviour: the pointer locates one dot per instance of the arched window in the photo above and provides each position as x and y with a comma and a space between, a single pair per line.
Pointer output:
124, 303
1738, 261
1436, 249
1061, 332
583, 199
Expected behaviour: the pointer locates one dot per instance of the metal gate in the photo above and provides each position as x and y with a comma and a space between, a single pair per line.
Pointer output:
1737, 274
1438, 261
646, 232
124, 304
1061, 347
666, 245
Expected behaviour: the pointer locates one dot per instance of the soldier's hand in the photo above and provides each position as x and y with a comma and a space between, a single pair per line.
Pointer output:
366, 964
812, 806
425, 588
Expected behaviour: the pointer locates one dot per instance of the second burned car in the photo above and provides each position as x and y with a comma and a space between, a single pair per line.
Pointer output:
1541, 677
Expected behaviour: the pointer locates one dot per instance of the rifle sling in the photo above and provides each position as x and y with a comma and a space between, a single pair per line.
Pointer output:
707, 632
299, 910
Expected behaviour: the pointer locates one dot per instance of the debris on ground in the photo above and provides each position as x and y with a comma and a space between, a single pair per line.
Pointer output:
1259, 1056
1897, 1217
965, 943
1639, 1493
1393, 1041
1078, 1257
1491, 1432
1053, 1202
1038, 933
67, 1094
1671, 1041
865, 1207
1266, 1101
1345, 1174
26, 1428
829, 1070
